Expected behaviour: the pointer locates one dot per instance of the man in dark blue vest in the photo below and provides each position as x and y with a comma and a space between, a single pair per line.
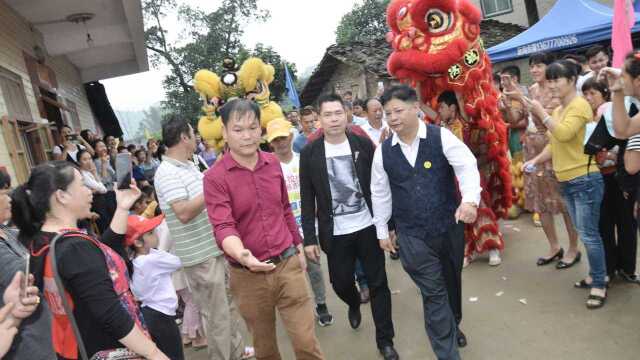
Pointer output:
414, 178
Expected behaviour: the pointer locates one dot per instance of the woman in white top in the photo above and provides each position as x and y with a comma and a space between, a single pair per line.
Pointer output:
89, 173
70, 146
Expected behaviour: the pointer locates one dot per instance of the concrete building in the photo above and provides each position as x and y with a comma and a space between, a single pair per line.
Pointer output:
49, 50
515, 11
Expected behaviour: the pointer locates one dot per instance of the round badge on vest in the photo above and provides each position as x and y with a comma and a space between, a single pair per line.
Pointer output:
427, 164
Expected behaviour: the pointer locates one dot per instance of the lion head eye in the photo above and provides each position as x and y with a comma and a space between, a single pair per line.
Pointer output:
403, 12
438, 21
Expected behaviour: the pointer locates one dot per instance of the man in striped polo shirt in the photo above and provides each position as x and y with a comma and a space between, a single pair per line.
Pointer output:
178, 184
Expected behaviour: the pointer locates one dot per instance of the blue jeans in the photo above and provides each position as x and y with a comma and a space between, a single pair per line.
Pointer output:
583, 197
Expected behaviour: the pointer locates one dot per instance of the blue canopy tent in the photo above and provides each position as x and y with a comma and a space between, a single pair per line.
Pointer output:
569, 24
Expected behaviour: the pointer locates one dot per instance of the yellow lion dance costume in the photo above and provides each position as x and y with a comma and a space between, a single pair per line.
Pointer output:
251, 81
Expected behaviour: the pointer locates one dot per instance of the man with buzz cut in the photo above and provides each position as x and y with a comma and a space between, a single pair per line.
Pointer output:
412, 177
248, 205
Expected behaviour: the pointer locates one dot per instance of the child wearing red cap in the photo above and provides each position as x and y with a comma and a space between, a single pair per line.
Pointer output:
152, 284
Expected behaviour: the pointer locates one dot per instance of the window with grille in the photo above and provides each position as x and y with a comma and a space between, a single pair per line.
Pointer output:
495, 7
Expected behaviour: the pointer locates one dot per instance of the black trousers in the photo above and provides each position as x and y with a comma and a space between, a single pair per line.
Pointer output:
427, 260
364, 246
452, 269
164, 332
618, 228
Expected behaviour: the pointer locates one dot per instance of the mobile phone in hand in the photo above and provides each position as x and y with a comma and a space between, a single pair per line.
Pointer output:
124, 171
25, 279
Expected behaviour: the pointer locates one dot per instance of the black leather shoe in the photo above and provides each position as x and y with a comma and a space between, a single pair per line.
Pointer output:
462, 339
565, 265
545, 261
355, 317
389, 353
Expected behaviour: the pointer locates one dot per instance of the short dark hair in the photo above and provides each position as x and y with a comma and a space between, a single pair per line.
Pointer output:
131, 147
541, 58
148, 190
399, 92
359, 102
80, 153
575, 57
85, 134
595, 50
240, 108
327, 98
448, 97
593, 84
307, 110
121, 147
632, 64
562, 69
5, 179
512, 70
173, 129
139, 151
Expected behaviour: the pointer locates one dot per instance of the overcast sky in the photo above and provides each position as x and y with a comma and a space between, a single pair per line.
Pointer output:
299, 30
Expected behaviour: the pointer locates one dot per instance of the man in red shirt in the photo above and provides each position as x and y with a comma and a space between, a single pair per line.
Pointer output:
248, 204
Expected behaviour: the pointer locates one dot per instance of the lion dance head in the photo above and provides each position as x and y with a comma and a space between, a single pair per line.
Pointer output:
251, 81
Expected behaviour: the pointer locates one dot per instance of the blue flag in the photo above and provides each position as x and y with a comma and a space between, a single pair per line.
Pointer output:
636, 6
292, 94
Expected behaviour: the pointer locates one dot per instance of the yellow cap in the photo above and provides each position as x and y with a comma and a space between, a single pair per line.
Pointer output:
277, 128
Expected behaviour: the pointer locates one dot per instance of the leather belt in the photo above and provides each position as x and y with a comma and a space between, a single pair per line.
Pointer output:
275, 260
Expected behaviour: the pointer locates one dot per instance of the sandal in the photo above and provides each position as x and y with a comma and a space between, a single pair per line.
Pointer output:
595, 301
545, 261
583, 284
565, 265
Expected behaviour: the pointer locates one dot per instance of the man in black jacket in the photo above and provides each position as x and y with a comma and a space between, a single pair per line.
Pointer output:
335, 176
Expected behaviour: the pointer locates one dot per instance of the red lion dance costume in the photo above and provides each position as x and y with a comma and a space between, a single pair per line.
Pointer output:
437, 47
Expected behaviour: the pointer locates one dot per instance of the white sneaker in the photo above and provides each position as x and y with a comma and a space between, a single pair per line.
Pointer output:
494, 257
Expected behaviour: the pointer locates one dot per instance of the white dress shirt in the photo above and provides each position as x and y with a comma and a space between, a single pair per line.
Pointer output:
374, 133
457, 153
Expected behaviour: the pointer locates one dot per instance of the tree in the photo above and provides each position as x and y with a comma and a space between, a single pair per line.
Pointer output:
366, 21
150, 124
209, 39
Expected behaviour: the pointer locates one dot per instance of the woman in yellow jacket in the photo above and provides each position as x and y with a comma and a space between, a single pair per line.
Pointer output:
581, 183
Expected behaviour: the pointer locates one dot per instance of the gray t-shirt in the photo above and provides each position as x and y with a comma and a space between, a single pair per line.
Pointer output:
33, 341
